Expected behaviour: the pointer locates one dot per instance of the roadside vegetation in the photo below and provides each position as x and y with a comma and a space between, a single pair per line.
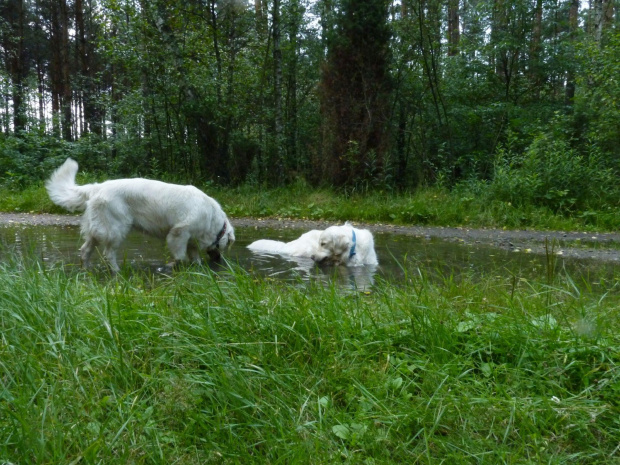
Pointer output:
226, 367
548, 185
474, 205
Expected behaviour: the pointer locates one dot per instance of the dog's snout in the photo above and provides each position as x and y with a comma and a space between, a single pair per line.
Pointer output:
320, 259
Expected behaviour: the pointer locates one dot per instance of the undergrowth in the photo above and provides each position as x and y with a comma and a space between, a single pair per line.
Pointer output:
469, 204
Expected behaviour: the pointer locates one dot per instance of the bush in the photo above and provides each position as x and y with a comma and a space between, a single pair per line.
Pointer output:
553, 174
29, 158
596, 102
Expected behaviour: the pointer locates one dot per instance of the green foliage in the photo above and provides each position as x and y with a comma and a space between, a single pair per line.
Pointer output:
32, 199
553, 174
223, 367
371, 97
28, 158
473, 204
597, 102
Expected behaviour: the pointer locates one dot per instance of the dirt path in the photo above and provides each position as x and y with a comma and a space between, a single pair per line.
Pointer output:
598, 246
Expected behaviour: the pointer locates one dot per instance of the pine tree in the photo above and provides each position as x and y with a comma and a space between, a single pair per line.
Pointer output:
355, 91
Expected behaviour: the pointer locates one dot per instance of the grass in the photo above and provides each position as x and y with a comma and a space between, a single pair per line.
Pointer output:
225, 367
430, 206
31, 199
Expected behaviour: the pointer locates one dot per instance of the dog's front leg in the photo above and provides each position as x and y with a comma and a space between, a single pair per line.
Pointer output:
193, 252
110, 254
177, 240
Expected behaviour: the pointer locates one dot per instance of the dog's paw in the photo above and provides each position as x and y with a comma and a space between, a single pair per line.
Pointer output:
170, 267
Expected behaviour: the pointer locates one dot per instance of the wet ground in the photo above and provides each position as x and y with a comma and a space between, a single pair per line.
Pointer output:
571, 244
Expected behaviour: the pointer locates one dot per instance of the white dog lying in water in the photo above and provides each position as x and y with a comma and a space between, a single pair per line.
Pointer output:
338, 245
189, 219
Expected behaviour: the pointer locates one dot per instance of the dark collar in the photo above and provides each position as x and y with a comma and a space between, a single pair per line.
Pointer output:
219, 236
352, 251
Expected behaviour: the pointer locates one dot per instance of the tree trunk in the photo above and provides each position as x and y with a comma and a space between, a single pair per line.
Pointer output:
277, 91
67, 120
454, 33
291, 146
498, 27
85, 64
602, 17
60, 70
261, 18
13, 42
355, 92
216, 46
573, 16
326, 21
535, 46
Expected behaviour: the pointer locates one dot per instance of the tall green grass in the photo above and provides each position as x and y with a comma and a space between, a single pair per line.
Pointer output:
226, 367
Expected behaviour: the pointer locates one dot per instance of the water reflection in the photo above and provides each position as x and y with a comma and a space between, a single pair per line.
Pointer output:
288, 267
398, 255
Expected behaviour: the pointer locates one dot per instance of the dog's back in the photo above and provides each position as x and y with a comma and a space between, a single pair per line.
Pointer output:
267, 246
366, 254
304, 246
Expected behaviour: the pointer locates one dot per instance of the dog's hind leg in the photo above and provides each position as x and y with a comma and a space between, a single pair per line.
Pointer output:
109, 250
106, 224
86, 251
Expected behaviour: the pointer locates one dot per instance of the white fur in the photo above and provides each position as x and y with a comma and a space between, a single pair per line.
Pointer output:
336, 244
305, 246
189, 219
332, 245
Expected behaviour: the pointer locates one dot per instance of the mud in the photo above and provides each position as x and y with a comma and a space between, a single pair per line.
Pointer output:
575, 244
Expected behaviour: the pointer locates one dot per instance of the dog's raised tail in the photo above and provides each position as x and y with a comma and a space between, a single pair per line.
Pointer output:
63, 190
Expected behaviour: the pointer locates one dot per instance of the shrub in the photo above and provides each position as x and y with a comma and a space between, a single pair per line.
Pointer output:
28, 158
553, 174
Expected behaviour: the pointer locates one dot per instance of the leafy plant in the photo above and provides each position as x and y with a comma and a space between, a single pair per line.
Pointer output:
553, 174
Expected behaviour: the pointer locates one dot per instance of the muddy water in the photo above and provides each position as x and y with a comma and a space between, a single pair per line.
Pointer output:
398, 255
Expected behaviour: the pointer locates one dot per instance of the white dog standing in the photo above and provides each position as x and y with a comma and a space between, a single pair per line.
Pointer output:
338, 245
189, 219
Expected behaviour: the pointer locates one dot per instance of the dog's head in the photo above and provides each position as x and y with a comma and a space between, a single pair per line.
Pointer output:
224, 238
228, 236
336, 245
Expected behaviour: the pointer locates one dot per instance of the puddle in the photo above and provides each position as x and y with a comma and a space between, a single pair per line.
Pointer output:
396, 253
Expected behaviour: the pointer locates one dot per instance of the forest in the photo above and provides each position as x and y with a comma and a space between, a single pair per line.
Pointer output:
517, 99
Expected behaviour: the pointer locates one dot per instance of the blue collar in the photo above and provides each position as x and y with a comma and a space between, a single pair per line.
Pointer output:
352, 251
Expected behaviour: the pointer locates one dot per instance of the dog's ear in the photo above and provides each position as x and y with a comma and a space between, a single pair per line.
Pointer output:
344, 240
